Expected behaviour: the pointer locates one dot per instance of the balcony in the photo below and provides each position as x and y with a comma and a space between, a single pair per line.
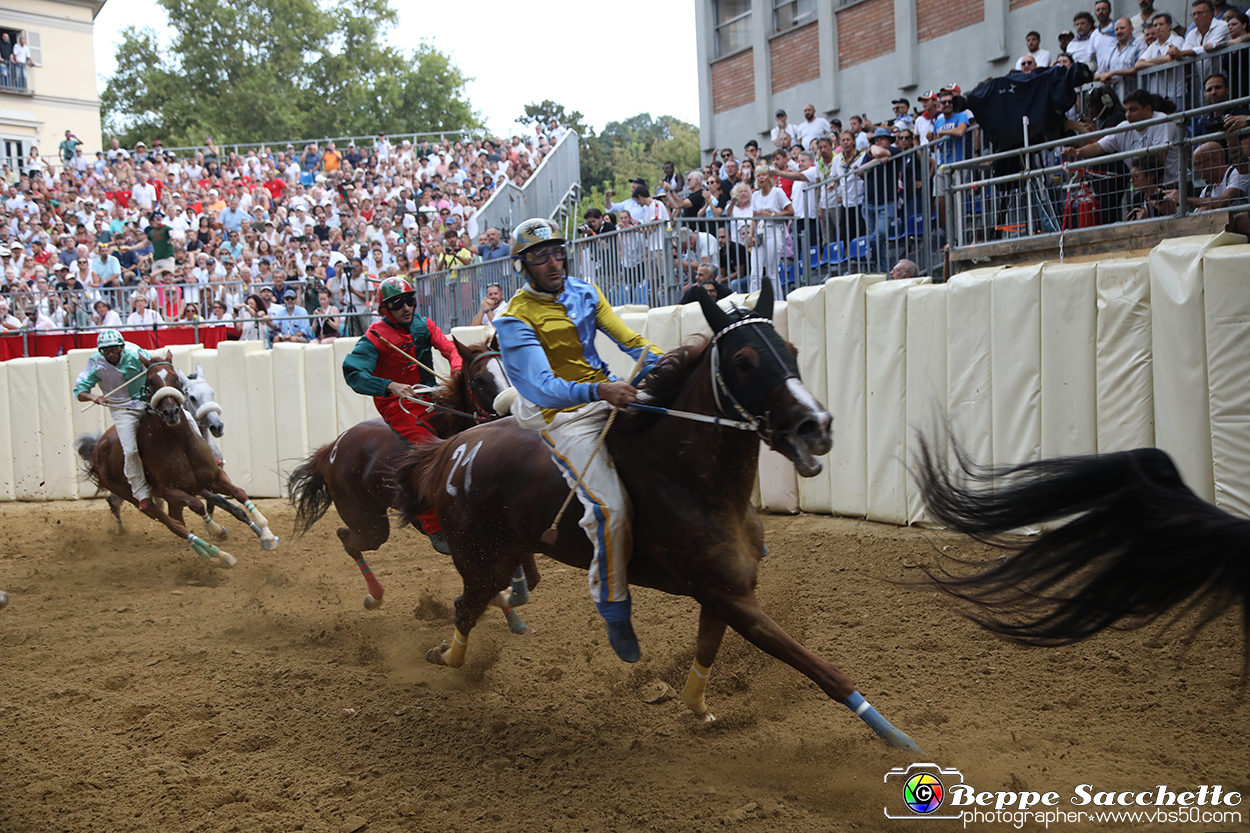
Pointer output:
15, 79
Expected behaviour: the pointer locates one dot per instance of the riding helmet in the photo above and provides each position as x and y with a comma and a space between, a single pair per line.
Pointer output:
390, 289
109, 338
533, 232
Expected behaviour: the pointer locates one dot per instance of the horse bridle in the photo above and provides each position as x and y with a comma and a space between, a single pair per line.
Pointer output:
721, 393
166, 391
480, 412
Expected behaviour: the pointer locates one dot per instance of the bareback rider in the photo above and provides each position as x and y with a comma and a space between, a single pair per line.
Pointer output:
119, 367
383, 372
547, 341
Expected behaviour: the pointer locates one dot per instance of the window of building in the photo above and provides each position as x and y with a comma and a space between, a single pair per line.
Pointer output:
733, 24
788, 14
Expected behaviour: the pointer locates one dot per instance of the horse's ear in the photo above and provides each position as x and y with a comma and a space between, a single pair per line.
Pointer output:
493, 344
465, 355
716, 317
199, 371
764, 305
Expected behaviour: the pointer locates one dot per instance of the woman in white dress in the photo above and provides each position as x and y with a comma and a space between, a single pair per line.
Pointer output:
142, 316
769, 236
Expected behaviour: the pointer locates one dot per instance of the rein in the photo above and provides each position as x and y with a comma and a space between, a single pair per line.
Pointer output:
480, 413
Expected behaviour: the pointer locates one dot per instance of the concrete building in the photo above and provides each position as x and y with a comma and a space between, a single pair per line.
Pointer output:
56, 91
855, 56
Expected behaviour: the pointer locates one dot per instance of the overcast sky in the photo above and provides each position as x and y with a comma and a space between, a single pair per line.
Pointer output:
642, 54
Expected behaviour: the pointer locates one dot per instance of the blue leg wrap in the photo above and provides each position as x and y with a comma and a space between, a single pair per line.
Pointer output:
514, 622
884, 729
520, 588
615, 611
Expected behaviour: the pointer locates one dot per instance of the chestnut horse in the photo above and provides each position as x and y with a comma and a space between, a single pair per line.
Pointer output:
496, 489
355, 473
178, 463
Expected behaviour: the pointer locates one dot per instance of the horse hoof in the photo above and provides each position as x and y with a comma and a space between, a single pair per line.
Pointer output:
705, 719
117, 531
222, 534
227, 560
435, 655
270, 544
4, 600
372, 603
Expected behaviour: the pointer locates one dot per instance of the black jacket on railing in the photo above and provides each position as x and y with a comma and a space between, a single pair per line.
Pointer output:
1043, 95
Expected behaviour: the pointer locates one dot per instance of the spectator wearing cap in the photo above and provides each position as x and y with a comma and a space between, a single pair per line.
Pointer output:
902, 113
289, 322
640, 205
811, 128
751, 150
783, 126
1033, 45
1142, 20
925, 122
214, 202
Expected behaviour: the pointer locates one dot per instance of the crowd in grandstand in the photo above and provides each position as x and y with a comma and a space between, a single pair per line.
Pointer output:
253, 241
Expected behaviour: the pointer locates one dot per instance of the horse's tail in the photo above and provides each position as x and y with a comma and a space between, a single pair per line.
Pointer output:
418, 479
309, 490
85, 445
1137, 544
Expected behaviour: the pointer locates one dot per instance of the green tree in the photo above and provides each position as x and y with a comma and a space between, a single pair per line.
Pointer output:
267, 70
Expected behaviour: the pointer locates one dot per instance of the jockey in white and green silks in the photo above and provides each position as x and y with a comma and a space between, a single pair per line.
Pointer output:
114, 364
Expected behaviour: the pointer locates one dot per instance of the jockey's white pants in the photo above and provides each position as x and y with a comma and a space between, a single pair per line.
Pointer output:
127, 422
606, 509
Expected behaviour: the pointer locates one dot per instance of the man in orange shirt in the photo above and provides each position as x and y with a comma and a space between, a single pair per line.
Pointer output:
331, 159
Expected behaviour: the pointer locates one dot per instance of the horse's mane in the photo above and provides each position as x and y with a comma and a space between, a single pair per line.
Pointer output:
453, 393
665, 382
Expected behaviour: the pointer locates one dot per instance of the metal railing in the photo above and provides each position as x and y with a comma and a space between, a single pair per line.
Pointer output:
553, 183
1181, 82
1032, 192
13, 77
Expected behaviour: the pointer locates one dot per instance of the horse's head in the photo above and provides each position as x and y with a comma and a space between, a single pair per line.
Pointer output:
168, 395
202, 401
755, 377
483, 376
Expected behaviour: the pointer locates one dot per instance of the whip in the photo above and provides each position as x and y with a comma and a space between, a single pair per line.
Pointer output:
424, 367
143, 372
549, 537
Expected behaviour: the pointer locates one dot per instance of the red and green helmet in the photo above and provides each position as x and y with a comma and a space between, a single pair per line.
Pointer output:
390, 289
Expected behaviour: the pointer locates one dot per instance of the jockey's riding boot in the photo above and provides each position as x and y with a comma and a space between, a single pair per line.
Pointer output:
439, 541
620, 631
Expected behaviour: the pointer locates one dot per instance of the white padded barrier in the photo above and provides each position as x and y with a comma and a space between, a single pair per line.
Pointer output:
626, 308
1069, 321
24, 431
806, 315
7, 415
885, 400
180, 356
778, 481
351, 406
693, 322
320, 401
56, 429
231, 386
1178, 324
969, 365
1124, 376
262, 425
1016, 362
290, 398
664, 327
636, 321
926, 382
1226, 286
845, 390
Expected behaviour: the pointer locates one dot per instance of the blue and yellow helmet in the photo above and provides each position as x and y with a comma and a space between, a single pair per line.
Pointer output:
535, 231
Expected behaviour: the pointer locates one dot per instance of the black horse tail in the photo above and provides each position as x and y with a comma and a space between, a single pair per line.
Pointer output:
85, 445
419, 480
309, 491
1135, 544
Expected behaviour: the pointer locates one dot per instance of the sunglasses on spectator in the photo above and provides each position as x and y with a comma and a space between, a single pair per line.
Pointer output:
541, 256
400, 303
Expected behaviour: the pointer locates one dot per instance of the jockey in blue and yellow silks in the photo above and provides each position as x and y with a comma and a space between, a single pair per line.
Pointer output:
547, 341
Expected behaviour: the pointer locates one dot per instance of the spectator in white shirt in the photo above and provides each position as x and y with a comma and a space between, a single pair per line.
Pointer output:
811, 128
1082, 46
1209, 33
1041, 57
143, 193
783, 126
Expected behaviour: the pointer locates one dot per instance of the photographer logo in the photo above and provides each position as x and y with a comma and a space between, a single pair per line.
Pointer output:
923, 789
923, 793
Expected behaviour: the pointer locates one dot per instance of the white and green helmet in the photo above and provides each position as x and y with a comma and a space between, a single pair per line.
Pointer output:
109, 338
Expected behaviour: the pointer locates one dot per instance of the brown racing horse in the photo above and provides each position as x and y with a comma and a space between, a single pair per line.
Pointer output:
355, 473
178, 463
695, 531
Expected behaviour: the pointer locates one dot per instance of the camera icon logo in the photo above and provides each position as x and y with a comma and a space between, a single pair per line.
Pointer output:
923, 788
